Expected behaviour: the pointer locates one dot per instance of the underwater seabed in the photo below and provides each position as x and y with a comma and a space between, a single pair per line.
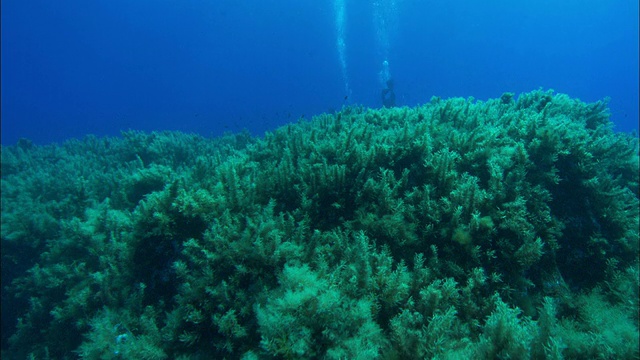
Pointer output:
460, 229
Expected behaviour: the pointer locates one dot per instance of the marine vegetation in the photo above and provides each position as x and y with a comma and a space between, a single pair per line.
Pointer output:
459, 229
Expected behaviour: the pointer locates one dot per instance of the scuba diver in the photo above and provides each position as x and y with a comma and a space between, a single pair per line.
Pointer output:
388, 96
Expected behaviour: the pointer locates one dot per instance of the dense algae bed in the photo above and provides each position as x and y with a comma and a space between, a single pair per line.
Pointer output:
456, 230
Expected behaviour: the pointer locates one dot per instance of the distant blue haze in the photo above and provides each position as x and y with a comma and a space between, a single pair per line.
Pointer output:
77, 67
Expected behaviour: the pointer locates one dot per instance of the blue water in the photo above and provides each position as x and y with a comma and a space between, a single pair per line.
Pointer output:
77, 67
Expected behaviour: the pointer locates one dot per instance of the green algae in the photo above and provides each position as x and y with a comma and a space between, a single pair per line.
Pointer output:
458, 229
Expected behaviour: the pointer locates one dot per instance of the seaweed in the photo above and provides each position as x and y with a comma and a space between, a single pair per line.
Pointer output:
457, 229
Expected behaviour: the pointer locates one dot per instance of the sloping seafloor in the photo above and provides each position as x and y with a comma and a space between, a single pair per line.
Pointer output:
460, 229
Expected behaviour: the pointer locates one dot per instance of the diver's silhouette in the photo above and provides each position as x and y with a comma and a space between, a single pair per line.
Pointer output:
388, 96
